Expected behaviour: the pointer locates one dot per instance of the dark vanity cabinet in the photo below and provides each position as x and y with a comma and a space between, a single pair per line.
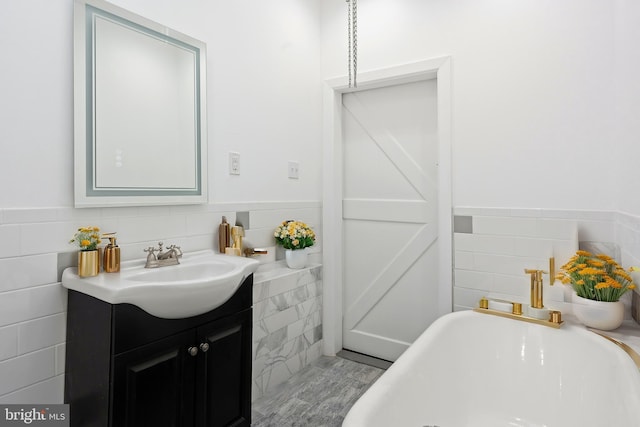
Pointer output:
127, 368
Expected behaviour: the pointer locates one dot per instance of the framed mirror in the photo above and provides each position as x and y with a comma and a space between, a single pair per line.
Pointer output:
140, 135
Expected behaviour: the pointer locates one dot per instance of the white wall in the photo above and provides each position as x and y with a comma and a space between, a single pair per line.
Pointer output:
264, 94
264, 101
627, 85
545, 103
532, 90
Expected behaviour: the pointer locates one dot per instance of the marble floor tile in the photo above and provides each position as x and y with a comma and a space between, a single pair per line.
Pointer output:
320, 395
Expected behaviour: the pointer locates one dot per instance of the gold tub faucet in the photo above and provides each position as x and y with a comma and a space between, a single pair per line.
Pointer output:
536, 287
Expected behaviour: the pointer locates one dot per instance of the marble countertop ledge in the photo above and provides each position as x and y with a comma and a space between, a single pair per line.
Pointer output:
628, 333
274, 270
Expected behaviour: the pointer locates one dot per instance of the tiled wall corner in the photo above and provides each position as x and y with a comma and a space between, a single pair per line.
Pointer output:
628, 241
635, 307
493, 244
287, 323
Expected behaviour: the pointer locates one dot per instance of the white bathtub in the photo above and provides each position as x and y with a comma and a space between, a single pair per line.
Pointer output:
472, 369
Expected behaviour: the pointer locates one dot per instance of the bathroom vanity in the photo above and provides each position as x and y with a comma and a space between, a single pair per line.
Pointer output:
125, 367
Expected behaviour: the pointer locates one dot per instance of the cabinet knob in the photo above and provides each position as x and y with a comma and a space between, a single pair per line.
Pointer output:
204, 347
192, 351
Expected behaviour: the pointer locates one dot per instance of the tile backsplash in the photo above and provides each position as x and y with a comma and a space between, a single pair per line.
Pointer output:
490, 261
490, 254
35, 250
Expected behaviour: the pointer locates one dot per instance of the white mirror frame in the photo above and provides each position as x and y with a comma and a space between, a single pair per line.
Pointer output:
95, 187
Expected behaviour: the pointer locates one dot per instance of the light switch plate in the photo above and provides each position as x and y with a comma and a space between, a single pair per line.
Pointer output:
294, 170
234, 163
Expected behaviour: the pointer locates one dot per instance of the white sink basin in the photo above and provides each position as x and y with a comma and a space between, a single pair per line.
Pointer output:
184, 273
201, 282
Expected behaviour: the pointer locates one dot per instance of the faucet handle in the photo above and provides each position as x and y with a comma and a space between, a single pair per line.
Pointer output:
537, 274
152, 255
177, 250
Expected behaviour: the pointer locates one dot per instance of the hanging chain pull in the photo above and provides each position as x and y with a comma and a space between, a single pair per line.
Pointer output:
352, 41
349, 57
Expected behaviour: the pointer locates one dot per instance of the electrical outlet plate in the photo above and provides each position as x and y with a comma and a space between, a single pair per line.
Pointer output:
234, 163
294, 170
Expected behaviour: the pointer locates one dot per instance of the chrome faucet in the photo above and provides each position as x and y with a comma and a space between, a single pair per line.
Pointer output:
173, 251
162, 258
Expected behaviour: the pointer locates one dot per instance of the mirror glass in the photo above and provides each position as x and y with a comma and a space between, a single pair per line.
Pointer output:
140, 114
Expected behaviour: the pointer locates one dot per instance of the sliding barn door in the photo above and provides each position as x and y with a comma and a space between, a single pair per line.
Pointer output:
390, 193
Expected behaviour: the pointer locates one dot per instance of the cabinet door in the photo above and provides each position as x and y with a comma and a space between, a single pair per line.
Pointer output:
153, 384
223, 381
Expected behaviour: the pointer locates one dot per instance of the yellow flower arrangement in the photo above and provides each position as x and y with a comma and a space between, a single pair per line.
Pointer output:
294, 235
596, 277
87, 238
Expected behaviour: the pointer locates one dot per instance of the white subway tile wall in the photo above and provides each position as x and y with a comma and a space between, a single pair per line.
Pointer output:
28, 369
635, 307
9, 340
33, 301
490, 261
627, 231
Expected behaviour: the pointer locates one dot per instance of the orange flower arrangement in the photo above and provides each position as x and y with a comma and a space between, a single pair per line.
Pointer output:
596, 277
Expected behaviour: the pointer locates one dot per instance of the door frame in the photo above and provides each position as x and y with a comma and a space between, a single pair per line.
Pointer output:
332, 294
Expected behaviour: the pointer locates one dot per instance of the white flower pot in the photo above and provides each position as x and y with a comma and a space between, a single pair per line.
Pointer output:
296, 258
598, 314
